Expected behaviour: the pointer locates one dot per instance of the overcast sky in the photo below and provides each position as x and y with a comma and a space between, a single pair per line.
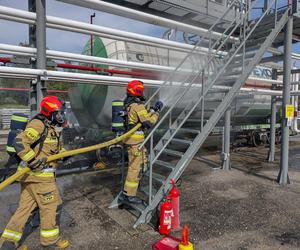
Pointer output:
14, 33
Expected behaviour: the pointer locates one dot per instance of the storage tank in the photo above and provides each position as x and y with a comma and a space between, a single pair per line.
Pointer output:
92, 103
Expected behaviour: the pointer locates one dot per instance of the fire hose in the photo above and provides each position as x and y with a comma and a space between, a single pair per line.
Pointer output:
68, 153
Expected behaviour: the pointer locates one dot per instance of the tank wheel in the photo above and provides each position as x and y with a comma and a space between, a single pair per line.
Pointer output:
255, 138
278, 139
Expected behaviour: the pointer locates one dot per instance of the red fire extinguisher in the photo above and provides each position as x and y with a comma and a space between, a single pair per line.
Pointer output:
165, 219
174, 195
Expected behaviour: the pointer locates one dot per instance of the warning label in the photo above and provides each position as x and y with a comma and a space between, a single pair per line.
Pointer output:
289, 111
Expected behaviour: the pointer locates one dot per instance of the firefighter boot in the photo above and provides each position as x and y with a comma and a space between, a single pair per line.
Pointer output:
134, 199
130, 199
23, 247
60, 244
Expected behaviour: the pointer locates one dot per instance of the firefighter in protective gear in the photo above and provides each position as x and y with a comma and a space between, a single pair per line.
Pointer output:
40, 139
136, 113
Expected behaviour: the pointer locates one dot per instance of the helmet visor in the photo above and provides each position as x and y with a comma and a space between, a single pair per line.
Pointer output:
59, 116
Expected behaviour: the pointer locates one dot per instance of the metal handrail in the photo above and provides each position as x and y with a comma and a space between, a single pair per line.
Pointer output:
190, 53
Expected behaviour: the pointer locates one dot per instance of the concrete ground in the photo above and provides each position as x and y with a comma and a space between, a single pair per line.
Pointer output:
240, 209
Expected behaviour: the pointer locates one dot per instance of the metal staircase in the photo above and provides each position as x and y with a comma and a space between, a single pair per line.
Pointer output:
215, 83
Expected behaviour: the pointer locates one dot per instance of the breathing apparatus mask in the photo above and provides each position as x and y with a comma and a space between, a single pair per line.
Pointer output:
58, 117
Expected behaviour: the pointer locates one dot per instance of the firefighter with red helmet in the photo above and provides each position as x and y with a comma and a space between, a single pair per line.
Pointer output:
137, 113
40, 139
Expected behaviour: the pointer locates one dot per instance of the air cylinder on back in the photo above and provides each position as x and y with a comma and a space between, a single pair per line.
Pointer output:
18, 121
118, 117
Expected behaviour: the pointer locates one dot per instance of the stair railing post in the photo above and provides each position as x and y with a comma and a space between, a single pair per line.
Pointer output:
226, 142
244, 47
275, 16
150, 169
202, 103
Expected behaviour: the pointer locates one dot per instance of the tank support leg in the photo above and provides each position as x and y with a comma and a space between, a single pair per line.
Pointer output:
226, 141
283, 178
271, 154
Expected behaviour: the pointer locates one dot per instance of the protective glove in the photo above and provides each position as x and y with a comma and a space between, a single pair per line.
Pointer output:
38, 164
158, 106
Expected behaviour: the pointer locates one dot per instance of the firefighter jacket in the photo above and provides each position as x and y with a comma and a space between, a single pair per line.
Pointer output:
29, 151
137, 113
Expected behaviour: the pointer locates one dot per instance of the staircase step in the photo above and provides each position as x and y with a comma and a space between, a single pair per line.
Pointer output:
239, 61
157, 177
182, 141
252, 42
209, 110
239, 56
213, 100
145, 190
225, 81
164, 164
173, 152
261, 34
138, 207
234, 65
233, 74
218, 90
252, 47
266, 26
196, 120
269, 19
188, 130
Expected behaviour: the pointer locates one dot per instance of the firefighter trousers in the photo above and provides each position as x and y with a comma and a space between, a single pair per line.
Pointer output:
46, 197
137, 158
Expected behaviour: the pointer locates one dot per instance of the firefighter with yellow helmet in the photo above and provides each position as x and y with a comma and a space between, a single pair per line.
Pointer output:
137, 113
40, 139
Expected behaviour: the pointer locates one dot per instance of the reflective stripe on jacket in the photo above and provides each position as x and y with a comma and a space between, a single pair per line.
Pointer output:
137, 113
28, 153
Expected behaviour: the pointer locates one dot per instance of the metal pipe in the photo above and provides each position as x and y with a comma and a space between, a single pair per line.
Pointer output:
271, 153
226, 143
32, 43
12, 14
59, 55
142, 16
91, 38
95, 69
91, 29
283, 178
5, 59
27, 90
103, 70
25, 73
40, 47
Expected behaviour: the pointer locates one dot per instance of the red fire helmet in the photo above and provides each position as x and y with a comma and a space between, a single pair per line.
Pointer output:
135, 88
49, 104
